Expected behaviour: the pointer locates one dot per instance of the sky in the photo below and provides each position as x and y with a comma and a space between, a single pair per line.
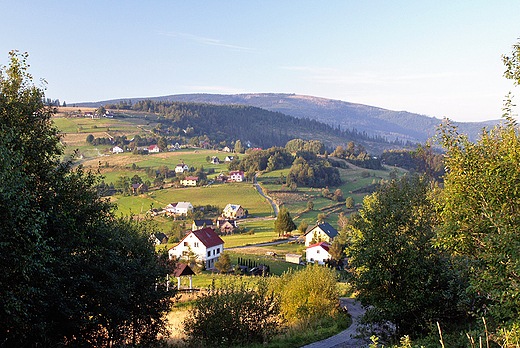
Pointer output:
436, 58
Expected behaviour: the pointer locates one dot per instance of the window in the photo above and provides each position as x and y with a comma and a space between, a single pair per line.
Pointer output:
317, 251
209, 253
196, 244
186, 244
218, 250
213, 251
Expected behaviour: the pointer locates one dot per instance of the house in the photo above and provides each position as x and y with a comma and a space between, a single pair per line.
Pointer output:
88, 114
233, 211
215, 160
189, 181
293, 258
154, 149
226, 226
317, 253
198, 224
226, 149
236, 176
180, 208
228, 158
183, 208
109, 114
320, 233
181, 168
117, 149
96, 116
159, 238
139, 188
205, 243
222, 177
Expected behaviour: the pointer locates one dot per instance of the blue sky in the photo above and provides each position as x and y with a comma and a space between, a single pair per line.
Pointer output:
437, 58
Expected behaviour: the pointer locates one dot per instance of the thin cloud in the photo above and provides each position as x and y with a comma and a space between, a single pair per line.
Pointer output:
209, 41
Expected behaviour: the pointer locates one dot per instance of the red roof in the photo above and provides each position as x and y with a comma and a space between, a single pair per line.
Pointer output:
191, 178
321, 244
239, 172
208, 237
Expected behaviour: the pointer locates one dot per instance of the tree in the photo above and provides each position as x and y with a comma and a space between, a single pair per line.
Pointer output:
73, 273
238, 147
224, 263
100, 111
136, 179
399, 275
90, 138
233, 315
349, 202
481, 206
284, 222
310, 205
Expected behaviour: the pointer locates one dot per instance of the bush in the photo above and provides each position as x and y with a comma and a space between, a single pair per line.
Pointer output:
232, 314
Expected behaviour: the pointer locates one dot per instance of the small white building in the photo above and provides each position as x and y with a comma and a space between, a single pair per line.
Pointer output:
117, 149
318, 253
154, 149
183, 208
205, 243
229, 159
236, 176
181, 168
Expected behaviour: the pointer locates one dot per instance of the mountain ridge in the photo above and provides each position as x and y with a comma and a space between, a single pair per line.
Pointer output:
391, 124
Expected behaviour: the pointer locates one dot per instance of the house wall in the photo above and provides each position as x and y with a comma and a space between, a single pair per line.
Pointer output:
309, 236
198, 248
317, 254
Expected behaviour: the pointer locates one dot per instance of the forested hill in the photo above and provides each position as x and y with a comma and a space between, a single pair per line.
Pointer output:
371, 120
255, 126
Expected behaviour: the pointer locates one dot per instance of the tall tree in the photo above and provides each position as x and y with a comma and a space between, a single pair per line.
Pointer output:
399, 275
73, 273
284, 222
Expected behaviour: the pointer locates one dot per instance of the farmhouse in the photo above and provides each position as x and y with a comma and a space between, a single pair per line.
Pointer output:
117, 149
228, 158
215, 160
233, 211
317, 253
159, 238
226, 226
181, 168
189, 181
154, 149
198, 224
139, 188
320, 233
226, 149
236, 176
180, 208
205, 243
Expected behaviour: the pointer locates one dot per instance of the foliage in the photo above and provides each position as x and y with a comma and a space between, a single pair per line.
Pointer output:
313, 146
313, 173
357, 155
284, 221
224, 263
73, 273
307, 294
349, 202
233, 314
480, 210
400, 276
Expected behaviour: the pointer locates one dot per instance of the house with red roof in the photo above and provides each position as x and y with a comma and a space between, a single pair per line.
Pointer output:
317, 253
154, 148
205, 243
236, 176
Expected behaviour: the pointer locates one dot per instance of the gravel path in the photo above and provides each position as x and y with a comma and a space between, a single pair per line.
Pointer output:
344, 339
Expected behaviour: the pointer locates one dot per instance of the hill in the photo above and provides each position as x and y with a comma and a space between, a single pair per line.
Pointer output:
373, 121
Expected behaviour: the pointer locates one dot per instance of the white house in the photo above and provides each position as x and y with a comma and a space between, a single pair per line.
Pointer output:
215, 160
236, 176
317, 253
117, 149
189, 181
226, 149
228, 158
184, 208
205, 243
233, 211
180, 208
154, 149
181, 168
320, 233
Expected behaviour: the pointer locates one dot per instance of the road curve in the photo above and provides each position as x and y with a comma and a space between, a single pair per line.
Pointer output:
345, 338
259, 189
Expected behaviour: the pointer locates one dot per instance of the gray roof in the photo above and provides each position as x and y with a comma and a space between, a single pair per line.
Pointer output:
326, 228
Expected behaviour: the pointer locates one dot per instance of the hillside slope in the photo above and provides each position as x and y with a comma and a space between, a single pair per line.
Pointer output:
390, 124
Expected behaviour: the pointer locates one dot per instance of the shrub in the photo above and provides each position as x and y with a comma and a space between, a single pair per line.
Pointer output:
232, 314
